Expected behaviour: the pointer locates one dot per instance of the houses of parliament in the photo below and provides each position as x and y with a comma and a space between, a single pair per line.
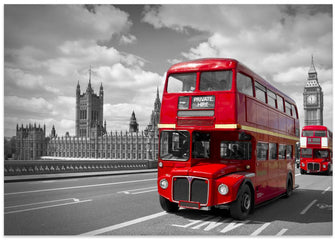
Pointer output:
91, 140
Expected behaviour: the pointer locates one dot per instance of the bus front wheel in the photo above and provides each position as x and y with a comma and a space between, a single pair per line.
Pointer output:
167, 205
241, 207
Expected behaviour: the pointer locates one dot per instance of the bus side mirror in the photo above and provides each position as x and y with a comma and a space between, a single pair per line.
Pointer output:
244, 136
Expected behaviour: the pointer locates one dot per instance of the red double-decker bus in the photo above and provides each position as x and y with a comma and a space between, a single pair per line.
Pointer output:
226, 138
316, 151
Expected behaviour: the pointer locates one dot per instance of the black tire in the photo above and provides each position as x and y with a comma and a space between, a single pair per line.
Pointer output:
289, 187
328, 172
242, 206
167, 205
302, 171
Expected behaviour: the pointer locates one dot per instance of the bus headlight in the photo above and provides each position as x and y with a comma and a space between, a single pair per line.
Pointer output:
303, 164
223, 189
163, 183
324, 165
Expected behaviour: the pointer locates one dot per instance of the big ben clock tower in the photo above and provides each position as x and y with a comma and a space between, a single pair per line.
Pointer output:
313, 99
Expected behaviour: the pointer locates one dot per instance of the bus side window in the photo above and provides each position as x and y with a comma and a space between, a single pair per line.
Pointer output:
244, 84
262, 151
294, 112
289, 152
282, 151
272, 99
273, 151
288, 108
260, 92
280, 102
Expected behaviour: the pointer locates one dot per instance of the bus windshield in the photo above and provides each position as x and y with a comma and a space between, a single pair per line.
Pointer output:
306, 152
209, 81
181, 82
320, 154
175, 145
307, 133
215, 81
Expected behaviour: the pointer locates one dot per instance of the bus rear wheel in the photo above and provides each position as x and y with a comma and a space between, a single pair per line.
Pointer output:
167, 205
289, 187
241, 207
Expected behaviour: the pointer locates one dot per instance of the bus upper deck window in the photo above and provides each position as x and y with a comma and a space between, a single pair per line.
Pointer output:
307, 133
320, 133
181, 82
215, 81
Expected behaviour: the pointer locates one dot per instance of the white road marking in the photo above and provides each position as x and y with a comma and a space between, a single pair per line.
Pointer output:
77, 187
152, 190
233, 225
38, 203
298, 174
308, 207
124, 224
260, 229
192, 222
138, 190
281, 232
325, 190
48, 206
211, 224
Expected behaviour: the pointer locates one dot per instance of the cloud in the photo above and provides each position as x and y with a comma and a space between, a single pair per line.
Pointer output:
127, 39
276, 41
55, 23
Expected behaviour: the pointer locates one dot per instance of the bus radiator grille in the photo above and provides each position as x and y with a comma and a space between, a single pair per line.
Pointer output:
313, 166
190, 189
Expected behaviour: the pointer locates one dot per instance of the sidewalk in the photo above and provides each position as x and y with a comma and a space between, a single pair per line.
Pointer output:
73, 175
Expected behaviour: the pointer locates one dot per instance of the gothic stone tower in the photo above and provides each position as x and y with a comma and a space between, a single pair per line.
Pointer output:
155, 115
313, 99
133, 125
89, 112
30, 142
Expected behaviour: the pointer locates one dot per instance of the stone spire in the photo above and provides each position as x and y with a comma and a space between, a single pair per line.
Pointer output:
89, 87
312, 80
133, 125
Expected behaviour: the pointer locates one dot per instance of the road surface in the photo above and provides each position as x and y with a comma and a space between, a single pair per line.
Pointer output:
128, 205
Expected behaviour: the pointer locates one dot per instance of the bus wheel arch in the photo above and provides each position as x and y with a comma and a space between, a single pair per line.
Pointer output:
244, 203
167, 205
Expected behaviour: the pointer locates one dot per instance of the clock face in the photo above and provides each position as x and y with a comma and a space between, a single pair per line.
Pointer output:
311, 99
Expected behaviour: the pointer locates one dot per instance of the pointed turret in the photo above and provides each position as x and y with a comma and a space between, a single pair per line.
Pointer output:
157, 105
312, 80
312, 67
133, 125
89, 87
78, 89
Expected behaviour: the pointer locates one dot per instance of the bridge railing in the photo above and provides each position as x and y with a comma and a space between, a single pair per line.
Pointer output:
31, 167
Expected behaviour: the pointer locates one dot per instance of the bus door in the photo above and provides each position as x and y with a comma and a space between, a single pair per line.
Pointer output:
262, 172
273, 169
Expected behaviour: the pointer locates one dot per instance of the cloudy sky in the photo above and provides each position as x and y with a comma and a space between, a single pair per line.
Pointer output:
49, 48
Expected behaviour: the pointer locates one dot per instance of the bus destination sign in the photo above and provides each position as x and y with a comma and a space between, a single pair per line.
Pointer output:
200, 102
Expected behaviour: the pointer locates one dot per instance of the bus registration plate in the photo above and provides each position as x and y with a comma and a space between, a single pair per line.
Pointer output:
193, 205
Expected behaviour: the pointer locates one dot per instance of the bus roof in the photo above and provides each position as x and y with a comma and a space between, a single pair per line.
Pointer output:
314, 127
205, 64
